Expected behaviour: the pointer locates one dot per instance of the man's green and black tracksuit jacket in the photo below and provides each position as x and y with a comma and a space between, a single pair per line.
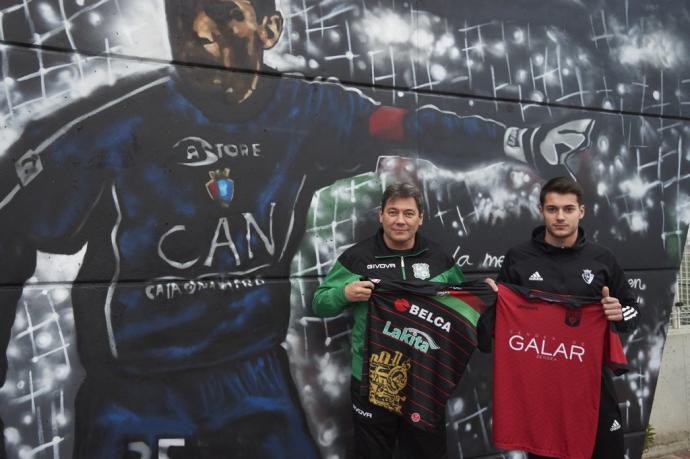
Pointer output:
371, 258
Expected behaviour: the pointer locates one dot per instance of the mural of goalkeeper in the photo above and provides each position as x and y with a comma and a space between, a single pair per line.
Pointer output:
189, 188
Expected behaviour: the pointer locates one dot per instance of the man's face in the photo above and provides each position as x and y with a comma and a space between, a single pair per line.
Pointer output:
562, 214
400, 219
224, 34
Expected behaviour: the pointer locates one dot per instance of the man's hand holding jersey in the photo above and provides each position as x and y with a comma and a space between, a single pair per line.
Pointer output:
357, 291
491, 283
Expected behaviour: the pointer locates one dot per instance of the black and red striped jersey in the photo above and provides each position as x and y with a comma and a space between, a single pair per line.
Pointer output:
548, 355
420, 336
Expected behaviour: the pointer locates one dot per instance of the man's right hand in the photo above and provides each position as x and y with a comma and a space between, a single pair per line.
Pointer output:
357, 291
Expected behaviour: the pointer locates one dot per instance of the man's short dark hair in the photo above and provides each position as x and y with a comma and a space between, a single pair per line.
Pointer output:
562, 185
402, 190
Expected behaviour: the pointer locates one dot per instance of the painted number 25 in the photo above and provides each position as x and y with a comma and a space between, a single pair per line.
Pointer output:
163, 445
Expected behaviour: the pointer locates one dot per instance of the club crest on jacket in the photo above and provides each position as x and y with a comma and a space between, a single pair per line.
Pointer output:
421, 271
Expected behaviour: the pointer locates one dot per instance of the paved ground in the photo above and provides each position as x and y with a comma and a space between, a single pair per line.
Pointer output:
677, 455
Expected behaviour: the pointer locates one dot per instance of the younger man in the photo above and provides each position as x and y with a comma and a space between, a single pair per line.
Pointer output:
560, 259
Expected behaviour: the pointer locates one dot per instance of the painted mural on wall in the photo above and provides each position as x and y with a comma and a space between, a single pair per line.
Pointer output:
182, 215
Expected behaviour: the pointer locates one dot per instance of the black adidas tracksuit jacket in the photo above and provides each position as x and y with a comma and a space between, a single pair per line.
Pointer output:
581, 270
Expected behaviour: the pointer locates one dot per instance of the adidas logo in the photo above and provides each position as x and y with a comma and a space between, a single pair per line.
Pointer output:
615, 426
536, 277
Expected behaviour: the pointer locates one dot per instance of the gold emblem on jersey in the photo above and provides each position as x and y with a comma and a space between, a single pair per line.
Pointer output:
387, 379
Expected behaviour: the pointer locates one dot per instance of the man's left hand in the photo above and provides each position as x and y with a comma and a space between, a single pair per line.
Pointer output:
612, 307
491, 283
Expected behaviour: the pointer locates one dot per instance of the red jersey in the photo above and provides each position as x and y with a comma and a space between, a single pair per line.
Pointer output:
548, 357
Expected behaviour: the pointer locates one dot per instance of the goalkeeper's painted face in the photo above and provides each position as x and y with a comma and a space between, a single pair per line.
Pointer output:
222, 35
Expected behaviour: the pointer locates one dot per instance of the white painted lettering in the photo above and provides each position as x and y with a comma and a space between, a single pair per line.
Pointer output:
268, 243
173, 263
464, 260
491, 261
637, 284
224, 225
200, 152
192, 152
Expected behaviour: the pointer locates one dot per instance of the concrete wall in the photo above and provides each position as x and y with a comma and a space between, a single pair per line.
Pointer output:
670, 416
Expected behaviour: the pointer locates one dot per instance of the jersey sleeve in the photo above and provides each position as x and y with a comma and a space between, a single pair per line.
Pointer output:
45, 197
329, 298
49, 183
357, 128
453, 139
443, 137
337, 118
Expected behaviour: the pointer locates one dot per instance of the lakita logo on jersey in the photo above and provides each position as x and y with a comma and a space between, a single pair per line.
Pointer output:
417, 339
403, 305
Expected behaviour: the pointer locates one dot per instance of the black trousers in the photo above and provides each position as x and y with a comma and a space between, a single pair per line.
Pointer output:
380, 434
609, 441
